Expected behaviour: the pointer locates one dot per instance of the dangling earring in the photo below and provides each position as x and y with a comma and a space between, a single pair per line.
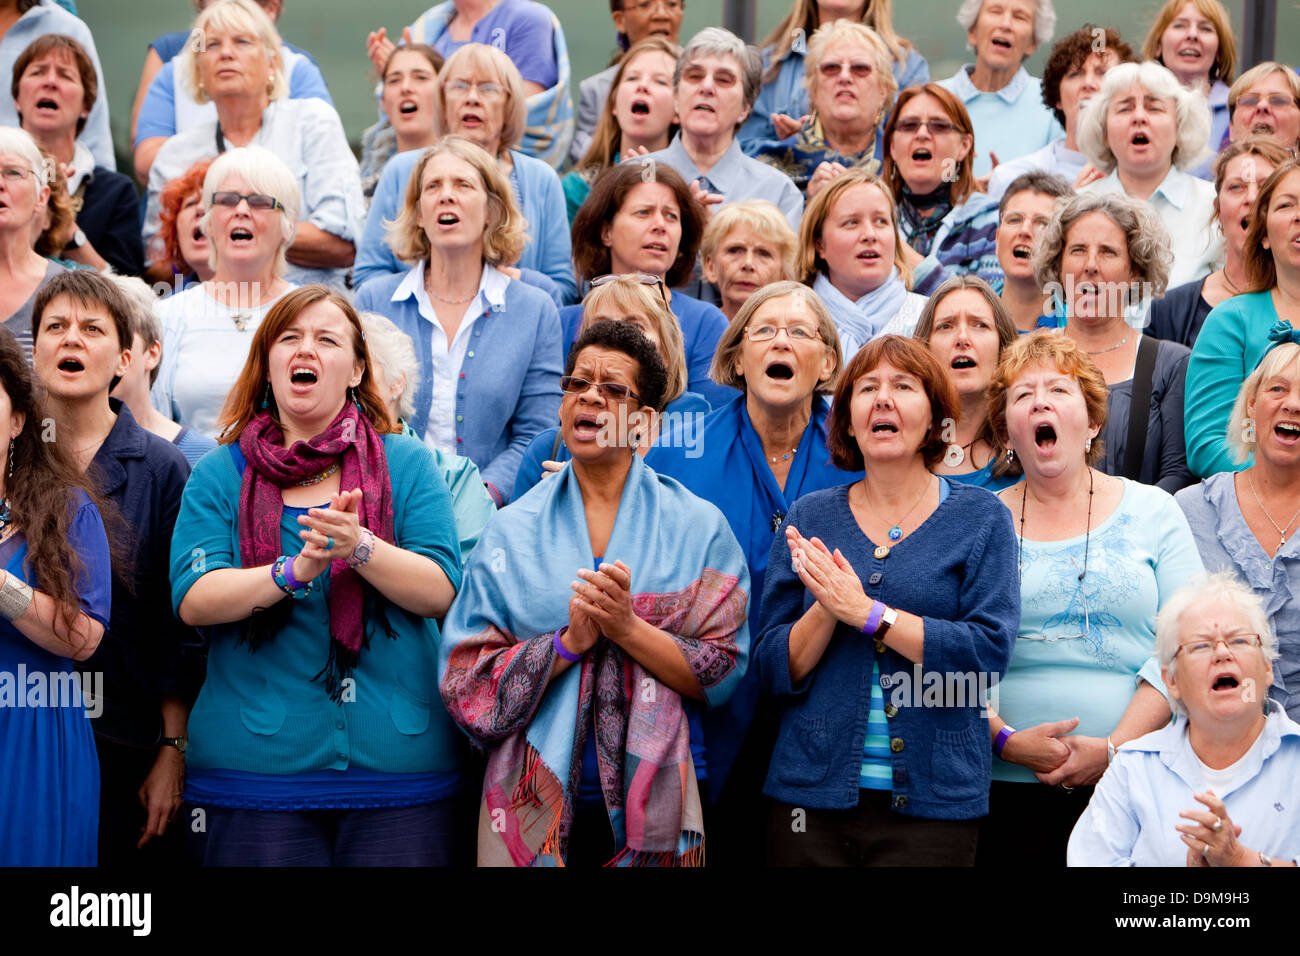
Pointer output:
11, 459
352, 395
1247, 434
1011, 456
266, 398
1087, 446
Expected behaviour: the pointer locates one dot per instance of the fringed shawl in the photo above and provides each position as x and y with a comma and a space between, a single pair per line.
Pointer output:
689, 578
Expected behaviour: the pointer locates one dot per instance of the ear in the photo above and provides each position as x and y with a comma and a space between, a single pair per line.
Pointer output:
828, 366
152, 356
1169, 676
967, 141
399, 386
710, 273
16, 422
620, 21
970, 34
358, 371
1250, 406
606, 235
123, 363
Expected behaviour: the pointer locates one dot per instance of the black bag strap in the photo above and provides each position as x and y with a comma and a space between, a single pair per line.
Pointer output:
559, 441
1139, 410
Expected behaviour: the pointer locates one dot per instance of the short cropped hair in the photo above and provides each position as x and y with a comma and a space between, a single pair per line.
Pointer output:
231, 16
72, 50
264, 172
1191, 115
1241, 432
1049, 347
1071, 52
759, 216
1147, 239
86, 288
18, 142
715, 41
652, 377
723, 370
505, 231
1038, 181
906, 355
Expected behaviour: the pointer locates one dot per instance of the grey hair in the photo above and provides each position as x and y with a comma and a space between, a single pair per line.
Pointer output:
1146, 236
1224, 589
1275, 360
144, 319
715, 41
1192, 115
393, 351
1044, 19
264, 172
19, 142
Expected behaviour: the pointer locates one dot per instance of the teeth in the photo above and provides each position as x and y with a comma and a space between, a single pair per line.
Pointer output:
1289, 427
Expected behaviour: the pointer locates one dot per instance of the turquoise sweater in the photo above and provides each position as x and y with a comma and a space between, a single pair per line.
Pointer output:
1232, 341
266, 712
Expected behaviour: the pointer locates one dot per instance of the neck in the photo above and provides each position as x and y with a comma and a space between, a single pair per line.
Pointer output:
627, 142
1234, 267
82, 424
16, 253
1071, 130
706, 151
1195, 81
296, 430
455, 273
61, 145
473, 10
1287, 290
1093, 335
893, 486
243, 285
146, 416
1059, 490
1220, 743
780, 429
602, 483
420, 140
855, 136
241, 116
1024, 301
1140, 185
989, 79
974, 410
1281, 483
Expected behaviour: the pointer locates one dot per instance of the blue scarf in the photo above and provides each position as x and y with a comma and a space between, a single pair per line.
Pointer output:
861, 321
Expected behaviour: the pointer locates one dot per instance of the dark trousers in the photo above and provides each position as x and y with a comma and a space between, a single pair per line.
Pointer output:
122, 770
384, 836
1029, 825
870, 834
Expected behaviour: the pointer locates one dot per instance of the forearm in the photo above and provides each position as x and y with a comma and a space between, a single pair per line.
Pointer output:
657, 652
86, 255
809, 638
315, 248
175, 717
412, 581
42, 623
1146, 712
144, 156
227, 595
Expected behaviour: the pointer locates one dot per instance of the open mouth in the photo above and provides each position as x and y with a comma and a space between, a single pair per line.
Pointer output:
1225, 682
869, 255
780, 371
705, 107
1263, 129
586, 426
71, 365
197, 235
1140, 139
921, 155
303, 376
1022, 252
1191, 52
448, 219
240, 234
1287, 431
883, 428
1045, 437
640, 108
1001, 43
963, 361
657, 247
408, 107
46, 104
471, 119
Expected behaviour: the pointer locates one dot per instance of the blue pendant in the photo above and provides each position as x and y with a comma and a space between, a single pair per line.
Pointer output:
895, 533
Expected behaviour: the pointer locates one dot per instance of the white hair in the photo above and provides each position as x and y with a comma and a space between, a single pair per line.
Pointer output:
1241, 436
715, 41
18, 142
144, 306
264, 172
1044, 19
1191, 114
1223, 590
393, 350
231, 16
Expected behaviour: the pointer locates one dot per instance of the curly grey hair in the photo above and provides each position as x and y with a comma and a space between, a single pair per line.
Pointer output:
715, 41
1191, 114
1146, 236
1221, 590
1044, 19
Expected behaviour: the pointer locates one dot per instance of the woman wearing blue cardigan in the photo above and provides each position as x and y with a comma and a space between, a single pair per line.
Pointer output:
489, 346
890, 607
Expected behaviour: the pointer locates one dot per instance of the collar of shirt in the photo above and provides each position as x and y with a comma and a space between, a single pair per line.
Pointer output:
964, 88
1173, 188
728, 175
83, 167
491, 294
1174, 747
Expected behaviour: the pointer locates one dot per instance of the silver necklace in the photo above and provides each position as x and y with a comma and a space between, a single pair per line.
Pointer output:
1110, 348
1281, 532
450, 301
785, 457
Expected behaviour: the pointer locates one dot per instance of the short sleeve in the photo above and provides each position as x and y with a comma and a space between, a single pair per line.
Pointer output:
530, 44
423, 518
95, 582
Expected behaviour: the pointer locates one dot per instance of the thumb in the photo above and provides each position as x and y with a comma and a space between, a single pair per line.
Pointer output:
993, 158
406, 35
1061, 727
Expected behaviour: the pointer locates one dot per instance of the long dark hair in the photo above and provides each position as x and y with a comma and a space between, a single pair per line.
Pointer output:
42, 490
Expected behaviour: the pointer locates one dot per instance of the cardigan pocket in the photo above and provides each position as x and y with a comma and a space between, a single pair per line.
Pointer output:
804, 760
955, 764
409, 715
263, 713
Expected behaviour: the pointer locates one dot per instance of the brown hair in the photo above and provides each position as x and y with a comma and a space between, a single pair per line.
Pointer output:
242, 404
86, 287
429, 53
809, 262
964, 183
48, 43
1225, 60
591, 257
1261, 270
59, 208
1072, 52
607, 140
172, 201
1265, 147
1054, 348
906, 355
43, 494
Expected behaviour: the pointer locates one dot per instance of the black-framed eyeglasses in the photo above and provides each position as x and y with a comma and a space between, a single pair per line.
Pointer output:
259, 201
645, 278
1236, 644
613, 391
912, 125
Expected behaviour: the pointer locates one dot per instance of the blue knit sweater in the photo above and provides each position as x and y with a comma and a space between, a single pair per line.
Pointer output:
966, 243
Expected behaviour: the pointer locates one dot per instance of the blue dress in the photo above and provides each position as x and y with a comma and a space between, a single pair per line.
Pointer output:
49, 803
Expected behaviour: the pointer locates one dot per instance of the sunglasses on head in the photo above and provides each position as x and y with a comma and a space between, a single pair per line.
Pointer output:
644, 278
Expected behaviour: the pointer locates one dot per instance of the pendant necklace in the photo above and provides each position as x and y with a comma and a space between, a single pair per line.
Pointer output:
1281, 531
896, 531
956, 454
786, 457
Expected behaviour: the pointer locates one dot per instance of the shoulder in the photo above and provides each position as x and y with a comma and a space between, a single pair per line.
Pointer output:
688, 307
528, 300
825, 504
380, 290
1194, 500
406, 456
533, 169
1148, 501
976, 504
214, 470
309, 110
1171, 355
1168, 737
164, 458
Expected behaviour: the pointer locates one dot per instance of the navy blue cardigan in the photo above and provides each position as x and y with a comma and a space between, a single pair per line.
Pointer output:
958, 572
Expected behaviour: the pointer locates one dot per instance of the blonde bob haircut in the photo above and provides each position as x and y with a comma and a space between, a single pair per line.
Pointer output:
810, 261
231, 17
1276, 361
626, 296
1221, 590
479, 59
506, 229
760, 217
1048, 347
723, 371
1225, 60
1191, 114
861, 34
265, 173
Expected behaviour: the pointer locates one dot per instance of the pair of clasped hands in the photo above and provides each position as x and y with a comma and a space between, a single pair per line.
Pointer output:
601, 604
338, 525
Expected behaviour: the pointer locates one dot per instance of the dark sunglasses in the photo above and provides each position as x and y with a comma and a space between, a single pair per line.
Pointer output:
259, 201
611, 390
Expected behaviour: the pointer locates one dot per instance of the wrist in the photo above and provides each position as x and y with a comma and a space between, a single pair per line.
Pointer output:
565, 648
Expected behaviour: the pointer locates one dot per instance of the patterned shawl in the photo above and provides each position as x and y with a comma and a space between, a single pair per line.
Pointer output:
689, 578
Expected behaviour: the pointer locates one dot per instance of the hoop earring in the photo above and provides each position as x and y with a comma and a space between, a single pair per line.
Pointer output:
1011, 456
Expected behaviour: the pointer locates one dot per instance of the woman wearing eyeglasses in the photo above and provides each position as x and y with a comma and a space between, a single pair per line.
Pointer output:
251, 206
1248, 522
1215, 787
949, 227
583, 661
238, 68
24, 195
1098, 557
489, 345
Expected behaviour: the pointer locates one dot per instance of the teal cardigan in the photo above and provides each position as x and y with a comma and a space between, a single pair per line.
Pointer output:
265, 712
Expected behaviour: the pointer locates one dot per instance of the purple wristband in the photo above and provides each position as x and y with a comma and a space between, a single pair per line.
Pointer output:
562, 650
873, 618
287, 570
1003, 736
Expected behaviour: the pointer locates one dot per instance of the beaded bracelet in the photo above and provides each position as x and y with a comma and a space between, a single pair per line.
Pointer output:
282, 575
